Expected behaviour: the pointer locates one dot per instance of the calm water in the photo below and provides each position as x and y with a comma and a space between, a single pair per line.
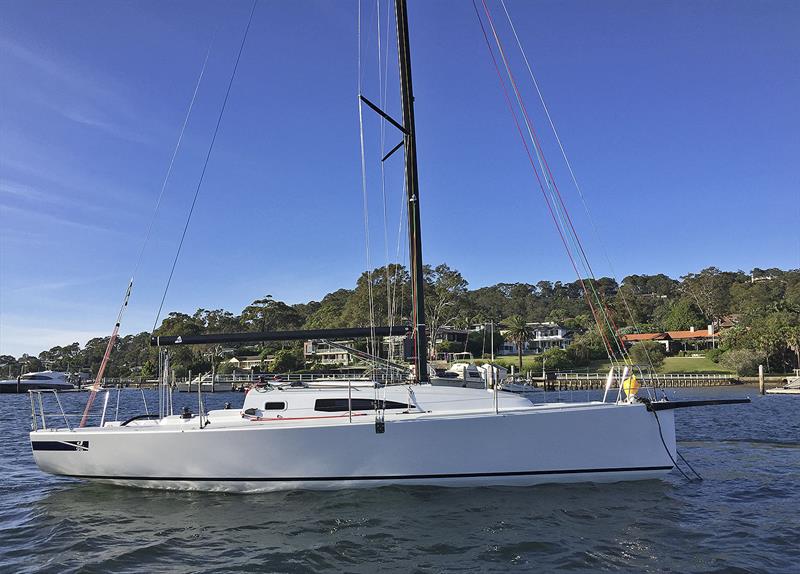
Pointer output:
745, 516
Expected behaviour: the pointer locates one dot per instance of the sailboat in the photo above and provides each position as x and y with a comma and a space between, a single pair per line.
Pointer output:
355, 435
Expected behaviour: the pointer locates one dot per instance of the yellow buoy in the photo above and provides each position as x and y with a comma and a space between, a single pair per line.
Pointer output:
630, 386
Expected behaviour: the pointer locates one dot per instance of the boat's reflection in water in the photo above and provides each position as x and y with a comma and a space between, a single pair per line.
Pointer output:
119, 527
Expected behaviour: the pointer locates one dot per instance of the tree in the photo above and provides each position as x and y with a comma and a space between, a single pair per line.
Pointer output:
379, 295
518, 331
556, 359
648, 353
791, 335
217, 321
286, 361
444, 289
683, 315
743, 361
267, 314
182, 359
585, 347
488, 302
329, 313
30, 364
711, 290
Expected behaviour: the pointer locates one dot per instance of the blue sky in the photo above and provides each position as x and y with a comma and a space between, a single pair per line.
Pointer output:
680, 119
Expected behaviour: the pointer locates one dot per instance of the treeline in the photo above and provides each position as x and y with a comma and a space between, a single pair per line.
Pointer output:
763, 308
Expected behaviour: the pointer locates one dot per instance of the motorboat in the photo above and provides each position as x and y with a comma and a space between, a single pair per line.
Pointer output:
55, 380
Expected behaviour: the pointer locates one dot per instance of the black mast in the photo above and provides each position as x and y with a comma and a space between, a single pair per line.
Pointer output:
412, 187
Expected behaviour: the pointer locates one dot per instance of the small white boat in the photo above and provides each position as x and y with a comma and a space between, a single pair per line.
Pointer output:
53, 380
471, 376
461, 375
520, 387
792, 387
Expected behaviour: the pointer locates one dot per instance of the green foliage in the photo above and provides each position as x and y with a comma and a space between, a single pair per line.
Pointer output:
710, 290
225, 368
714, 355
286, 361
518, 331
149, 370
389, 284
648, 353
450, 347
444, 289
682, 315
480, 342
556, 359
586, 347
329, 313
774, 336
767, 308
742, 361
267, 314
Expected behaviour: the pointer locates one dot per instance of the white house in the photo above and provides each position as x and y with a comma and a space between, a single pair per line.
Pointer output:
326, 354
544, 336
248, 362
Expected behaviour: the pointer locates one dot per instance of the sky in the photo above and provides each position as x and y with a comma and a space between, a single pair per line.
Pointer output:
680, 119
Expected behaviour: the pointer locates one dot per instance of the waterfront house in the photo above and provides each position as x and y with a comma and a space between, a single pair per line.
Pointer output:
448, 334
693, 339
545, 336
327, 354
674, 341
247, 362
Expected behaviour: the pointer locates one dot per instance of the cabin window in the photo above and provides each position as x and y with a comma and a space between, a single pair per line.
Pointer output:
277, 406
341, 405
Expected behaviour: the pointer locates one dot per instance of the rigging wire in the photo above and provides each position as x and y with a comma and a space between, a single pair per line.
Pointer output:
609, 350
151, 225
603, 312
364, 195
577, 244
205, 164
560, 208
382, 99
575, 182
148, 234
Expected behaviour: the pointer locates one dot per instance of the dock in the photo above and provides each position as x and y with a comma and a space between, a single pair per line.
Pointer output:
589, 381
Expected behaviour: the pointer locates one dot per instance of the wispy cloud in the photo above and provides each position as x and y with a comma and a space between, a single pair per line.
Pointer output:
42, 219
62, 178
28, 194
75, 93
21, 190
36, 285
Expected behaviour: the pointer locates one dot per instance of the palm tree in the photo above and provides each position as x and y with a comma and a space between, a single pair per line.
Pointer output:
518, 331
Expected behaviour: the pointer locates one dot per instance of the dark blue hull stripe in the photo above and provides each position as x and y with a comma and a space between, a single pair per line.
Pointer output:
60, 445
387, 477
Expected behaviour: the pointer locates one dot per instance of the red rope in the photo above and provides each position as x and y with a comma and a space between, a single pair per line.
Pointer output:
530, 157
552, 181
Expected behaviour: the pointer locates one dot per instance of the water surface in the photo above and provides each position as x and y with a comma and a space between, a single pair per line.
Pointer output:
744, 517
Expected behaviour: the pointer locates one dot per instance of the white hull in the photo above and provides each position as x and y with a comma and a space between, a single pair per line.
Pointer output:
783, 391
590, 442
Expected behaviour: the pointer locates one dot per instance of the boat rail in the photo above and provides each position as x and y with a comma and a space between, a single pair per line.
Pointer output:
40, 415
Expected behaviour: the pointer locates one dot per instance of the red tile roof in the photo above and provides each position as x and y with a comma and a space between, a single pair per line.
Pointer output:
643, 337
696, 334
